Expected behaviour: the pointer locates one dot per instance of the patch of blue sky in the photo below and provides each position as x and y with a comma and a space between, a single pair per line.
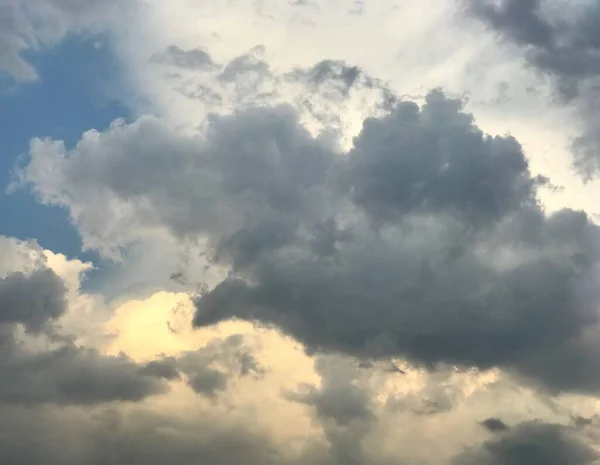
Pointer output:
78, 89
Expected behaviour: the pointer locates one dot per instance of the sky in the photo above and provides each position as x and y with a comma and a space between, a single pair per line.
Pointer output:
293, 232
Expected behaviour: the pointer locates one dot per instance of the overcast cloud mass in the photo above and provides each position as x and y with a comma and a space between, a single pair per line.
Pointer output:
331, 233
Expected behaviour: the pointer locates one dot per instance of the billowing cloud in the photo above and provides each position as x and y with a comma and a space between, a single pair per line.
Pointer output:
32, 300
258, 165
426, 240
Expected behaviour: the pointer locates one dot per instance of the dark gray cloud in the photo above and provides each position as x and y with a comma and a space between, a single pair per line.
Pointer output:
162, 368
69, 436
209, 370
562, 43
32, 300
208, 381
72, 375
495, 425
567, 46
532, 443
435, 159
449, 259
425, 241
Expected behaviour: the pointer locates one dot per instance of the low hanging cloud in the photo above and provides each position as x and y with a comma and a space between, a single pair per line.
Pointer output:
561, 42
424, 241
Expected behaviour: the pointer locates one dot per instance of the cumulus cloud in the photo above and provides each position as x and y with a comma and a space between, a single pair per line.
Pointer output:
425, 240
258, 165
561, 42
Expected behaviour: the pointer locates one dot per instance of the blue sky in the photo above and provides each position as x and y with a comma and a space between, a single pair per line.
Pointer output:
77, 90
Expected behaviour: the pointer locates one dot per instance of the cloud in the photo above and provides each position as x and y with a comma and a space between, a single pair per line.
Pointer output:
32, 300
73, 375
44, 365
425, 240
442, 305
256, 164
114, 436
495, 425
339, 397
191, 59
209, 369
434, 158
532, 443
28, 25
164, 368
563, 47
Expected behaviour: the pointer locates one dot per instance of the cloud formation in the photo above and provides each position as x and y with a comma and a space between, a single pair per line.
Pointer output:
296, 264
425, 240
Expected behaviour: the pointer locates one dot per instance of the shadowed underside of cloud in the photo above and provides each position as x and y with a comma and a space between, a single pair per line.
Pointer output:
561, 41
531, 443
111, 437
209, 370
73, 375
424, 241
32, 300
61, 372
